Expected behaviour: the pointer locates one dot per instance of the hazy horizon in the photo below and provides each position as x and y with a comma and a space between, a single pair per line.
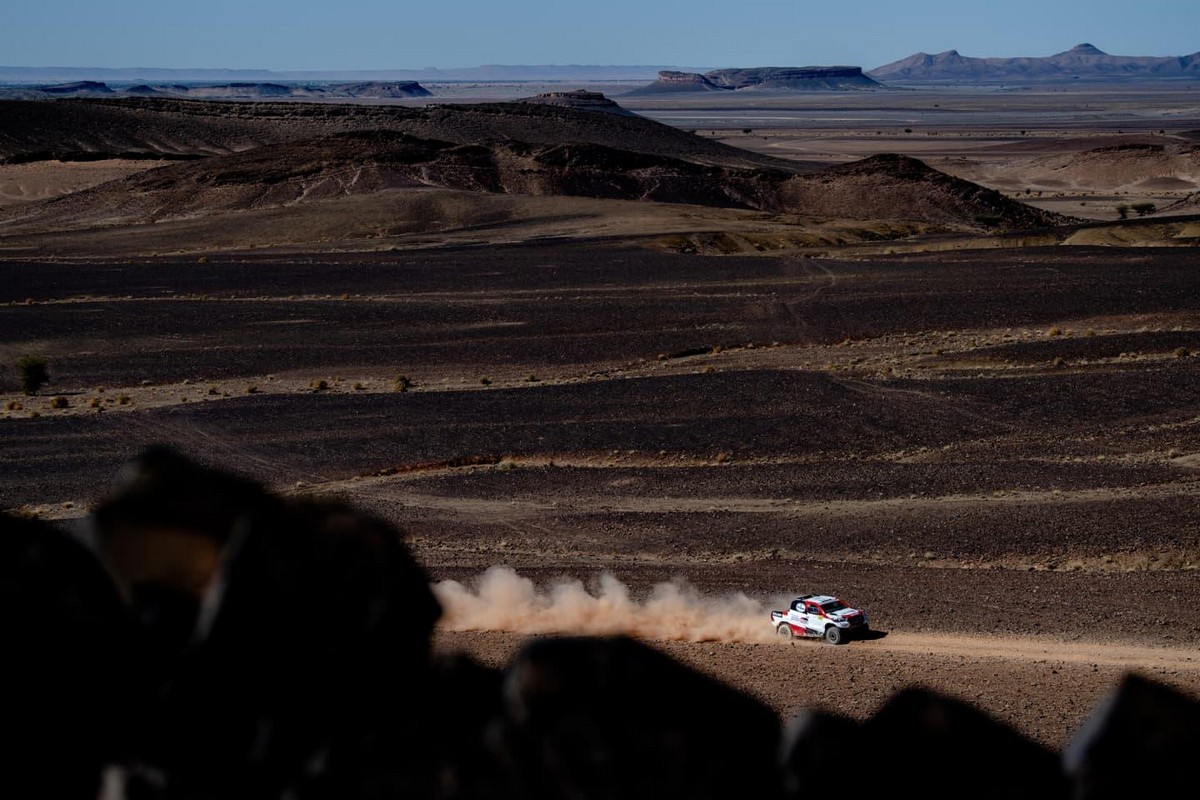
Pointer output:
370, 35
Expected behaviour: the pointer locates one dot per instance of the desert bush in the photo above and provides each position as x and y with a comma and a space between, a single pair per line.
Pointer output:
1143, 209
531, 378
1123, 211
402, 383
486, 381
1054, 331
13, 405
33, 372
94, 402
319, 386
59, 402
124, 400
251, 390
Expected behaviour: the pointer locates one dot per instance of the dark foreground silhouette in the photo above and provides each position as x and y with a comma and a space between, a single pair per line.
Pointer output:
201, 637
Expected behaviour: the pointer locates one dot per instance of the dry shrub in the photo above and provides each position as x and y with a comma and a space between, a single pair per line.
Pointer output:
33, 373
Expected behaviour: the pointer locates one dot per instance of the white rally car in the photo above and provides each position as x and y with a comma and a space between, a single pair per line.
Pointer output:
820, 615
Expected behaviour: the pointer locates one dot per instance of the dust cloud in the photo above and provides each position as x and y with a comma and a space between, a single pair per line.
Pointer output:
502, 600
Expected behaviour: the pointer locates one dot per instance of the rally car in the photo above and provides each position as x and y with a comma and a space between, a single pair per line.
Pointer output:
818, 616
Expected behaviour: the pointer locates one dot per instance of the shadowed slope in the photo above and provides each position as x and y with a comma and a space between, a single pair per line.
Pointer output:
882, 187
898, 186
155, 127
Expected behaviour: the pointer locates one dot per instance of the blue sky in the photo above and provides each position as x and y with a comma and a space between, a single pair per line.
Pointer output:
375, 34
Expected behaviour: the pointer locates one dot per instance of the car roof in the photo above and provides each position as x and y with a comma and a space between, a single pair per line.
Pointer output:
819, 599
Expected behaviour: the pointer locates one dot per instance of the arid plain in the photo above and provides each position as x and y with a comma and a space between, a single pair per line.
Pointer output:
978, 420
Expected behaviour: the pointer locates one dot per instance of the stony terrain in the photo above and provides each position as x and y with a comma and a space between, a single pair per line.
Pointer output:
989, 444
996, 445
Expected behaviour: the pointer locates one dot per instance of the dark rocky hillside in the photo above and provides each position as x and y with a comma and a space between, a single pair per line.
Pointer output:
899, 186
883, 187
158, 127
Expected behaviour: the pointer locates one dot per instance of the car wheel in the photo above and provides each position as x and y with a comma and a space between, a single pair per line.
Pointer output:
834, 635
785, 631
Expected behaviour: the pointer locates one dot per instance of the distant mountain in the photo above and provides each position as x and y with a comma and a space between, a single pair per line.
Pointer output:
487, 72
1082, 62
76, 88
240, 90
250, 90
759, 78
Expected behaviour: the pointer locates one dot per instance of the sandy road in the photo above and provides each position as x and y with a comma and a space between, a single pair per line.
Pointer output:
1039, 650
1021, 651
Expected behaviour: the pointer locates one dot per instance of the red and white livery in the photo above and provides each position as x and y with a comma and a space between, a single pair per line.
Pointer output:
816, 616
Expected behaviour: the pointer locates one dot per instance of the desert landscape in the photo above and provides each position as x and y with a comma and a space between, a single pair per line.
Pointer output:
654, 361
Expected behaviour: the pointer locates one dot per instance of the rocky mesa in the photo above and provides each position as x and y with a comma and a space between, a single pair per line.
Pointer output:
239, 90
1082, 62
794, 79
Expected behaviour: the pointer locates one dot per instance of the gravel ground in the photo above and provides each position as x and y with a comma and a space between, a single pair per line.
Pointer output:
996, 454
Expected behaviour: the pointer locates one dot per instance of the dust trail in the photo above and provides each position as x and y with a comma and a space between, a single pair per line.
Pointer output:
502, 600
